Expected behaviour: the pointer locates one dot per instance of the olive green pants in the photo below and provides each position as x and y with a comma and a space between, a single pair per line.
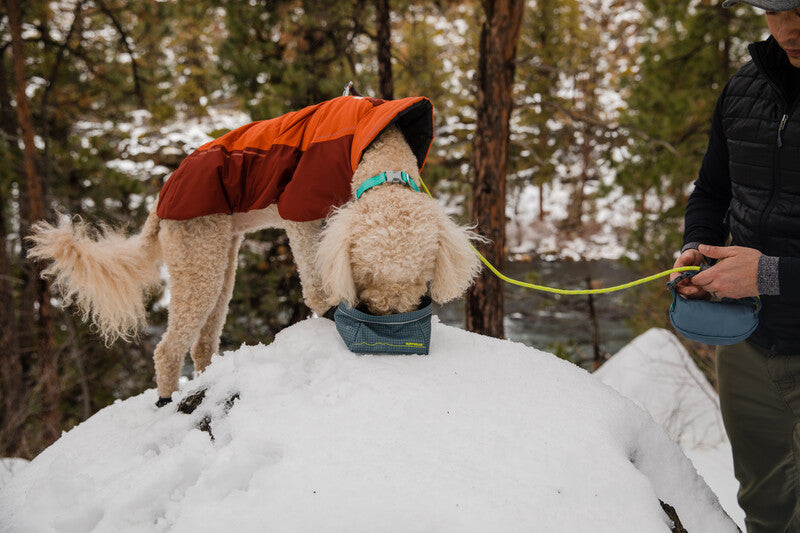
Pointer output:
759, 394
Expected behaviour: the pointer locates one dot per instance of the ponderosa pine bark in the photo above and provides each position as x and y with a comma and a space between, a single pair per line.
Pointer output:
384, 41
495, 79
14, 407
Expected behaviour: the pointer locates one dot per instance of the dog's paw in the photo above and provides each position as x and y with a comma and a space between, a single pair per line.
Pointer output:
163, 401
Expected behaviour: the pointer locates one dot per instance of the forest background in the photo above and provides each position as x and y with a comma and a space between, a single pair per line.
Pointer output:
591, 96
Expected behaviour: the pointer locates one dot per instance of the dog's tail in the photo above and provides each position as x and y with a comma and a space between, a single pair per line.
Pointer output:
106, 275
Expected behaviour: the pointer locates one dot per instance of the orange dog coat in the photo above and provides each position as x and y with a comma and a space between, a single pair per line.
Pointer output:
304, 161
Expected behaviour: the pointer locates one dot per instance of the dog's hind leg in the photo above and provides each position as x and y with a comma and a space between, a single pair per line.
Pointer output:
208, 342
196, 253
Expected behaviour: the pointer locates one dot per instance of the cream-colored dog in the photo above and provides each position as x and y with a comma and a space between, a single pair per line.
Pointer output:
385, 250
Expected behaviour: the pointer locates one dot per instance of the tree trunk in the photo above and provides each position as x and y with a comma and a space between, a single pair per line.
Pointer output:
25, 312
14, 409
498, 50
385, 80
14, 413
46, 350
598, 355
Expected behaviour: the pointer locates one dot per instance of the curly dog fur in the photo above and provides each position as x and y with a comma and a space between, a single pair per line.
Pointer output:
385, 250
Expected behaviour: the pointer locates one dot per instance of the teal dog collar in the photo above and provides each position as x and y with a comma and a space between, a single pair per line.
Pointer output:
390, 176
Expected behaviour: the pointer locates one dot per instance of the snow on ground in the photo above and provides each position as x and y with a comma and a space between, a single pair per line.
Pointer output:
480, 435
9, 467
657, 373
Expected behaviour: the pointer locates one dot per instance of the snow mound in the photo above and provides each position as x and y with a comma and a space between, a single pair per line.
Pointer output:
669, 386
657, 373
480, 435
9, 467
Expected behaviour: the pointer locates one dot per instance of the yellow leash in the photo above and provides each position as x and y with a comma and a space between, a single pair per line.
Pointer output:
571, 291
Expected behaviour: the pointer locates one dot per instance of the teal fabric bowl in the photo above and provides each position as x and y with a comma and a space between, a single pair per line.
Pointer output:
403, 333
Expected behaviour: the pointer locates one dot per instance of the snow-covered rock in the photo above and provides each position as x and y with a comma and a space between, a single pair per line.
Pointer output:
657, 373
480, 435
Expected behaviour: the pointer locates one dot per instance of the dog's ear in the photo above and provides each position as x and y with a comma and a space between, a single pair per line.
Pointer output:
333, 259
457, 264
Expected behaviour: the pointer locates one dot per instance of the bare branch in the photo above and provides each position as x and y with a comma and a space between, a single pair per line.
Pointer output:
578, 117
124, 38
76, 18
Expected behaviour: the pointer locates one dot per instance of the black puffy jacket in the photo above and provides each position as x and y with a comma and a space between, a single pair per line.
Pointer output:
749, 183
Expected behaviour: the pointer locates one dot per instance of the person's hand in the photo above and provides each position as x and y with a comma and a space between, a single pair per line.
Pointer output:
690, 257
735, 274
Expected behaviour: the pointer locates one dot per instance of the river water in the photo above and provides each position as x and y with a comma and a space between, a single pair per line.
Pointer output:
556, 323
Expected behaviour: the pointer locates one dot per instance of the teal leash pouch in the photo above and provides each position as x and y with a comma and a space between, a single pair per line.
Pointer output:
402, 333
720, 323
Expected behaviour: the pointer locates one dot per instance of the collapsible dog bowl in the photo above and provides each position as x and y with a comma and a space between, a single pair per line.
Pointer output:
403, 333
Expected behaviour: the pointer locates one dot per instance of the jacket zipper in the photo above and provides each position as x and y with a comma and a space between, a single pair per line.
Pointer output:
782, 125
776, 182
785, 110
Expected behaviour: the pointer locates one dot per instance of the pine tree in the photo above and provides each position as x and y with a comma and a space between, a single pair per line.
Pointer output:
564, 133
32, 182
688, 52
88, 66
688, 55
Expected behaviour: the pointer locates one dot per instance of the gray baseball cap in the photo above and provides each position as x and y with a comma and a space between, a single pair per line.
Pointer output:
769, 5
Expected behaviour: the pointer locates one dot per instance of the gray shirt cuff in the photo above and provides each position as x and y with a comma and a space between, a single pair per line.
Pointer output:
695, 246
768, 281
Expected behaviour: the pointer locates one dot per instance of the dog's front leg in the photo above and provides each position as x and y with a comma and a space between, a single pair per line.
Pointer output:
303, 238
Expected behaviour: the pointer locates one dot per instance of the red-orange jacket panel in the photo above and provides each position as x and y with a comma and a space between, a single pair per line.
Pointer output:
304, 161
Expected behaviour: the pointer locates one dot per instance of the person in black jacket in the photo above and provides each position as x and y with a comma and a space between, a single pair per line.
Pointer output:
743, 217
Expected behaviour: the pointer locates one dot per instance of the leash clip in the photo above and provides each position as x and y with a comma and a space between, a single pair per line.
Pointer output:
685, 275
